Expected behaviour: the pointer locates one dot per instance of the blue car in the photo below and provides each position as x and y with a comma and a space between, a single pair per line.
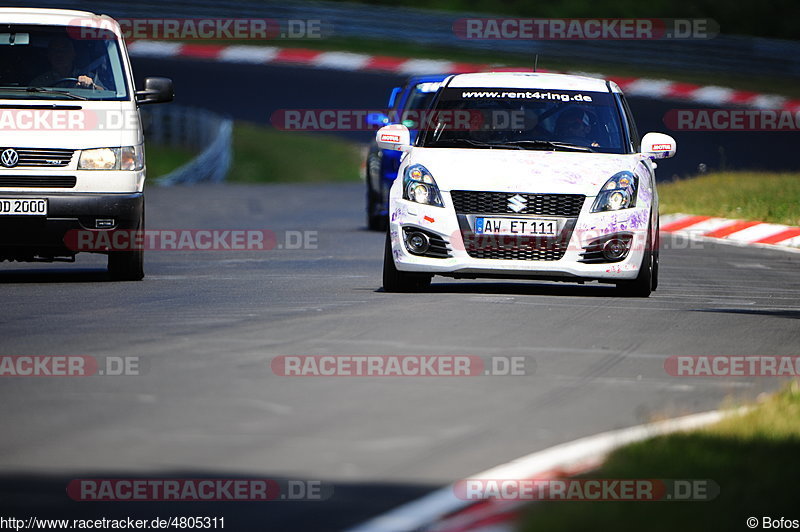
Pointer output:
405, 106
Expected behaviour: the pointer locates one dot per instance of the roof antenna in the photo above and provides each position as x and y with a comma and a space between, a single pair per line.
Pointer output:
536, 62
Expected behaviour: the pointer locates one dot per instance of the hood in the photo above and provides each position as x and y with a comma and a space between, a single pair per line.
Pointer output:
537, 171
68, 124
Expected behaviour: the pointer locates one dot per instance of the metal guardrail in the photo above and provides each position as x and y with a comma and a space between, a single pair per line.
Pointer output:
196, 129
734, 54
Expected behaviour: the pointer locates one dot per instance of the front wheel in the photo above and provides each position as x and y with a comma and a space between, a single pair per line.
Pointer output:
127, 265
646, 281
395, 280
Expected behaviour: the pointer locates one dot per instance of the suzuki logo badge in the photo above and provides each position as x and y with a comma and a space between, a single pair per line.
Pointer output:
517, 203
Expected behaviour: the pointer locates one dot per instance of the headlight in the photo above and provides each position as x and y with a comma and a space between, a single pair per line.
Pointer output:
124, 158
619, 192
420, 187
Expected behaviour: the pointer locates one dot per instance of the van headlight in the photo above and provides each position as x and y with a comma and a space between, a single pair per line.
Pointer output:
124, 158
618, 193
420, 187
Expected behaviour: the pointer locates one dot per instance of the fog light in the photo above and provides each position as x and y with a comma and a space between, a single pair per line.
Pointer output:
615, 249
417, 243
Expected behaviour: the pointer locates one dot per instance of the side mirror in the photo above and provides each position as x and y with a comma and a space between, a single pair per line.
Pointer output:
658, 146
394, 137
156, 90
377, 119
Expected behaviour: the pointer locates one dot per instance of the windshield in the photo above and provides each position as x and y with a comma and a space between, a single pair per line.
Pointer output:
525, 119
57, 62
417, 102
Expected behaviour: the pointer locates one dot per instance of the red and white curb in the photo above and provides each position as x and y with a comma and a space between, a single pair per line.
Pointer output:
259, 55
738, 232
443, 510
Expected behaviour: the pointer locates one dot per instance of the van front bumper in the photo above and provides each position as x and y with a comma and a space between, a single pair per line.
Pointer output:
25, 238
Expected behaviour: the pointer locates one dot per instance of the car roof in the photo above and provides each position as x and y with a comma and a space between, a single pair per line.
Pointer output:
530, 80
429, 78
57, 17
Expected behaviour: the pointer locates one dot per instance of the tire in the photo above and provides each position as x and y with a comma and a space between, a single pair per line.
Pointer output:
642, 286
127, 265
375, 221
656, 253
396, 281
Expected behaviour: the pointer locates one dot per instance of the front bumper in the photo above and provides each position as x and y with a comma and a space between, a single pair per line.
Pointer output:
27, 238
564, 265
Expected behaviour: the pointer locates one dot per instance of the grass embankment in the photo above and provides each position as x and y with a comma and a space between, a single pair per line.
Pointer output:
760, 196
264, 155
752, 458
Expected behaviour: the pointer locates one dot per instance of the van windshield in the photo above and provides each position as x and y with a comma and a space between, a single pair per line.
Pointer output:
531, 119
40, 62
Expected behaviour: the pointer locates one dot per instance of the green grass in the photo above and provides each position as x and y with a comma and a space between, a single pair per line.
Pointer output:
161, 160
752, 458
266, 155
760, 196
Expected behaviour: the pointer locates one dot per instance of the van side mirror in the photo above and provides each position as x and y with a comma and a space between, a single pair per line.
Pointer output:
156, 90
658, 146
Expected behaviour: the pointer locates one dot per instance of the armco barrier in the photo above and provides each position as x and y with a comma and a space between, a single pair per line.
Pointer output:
724, 53
208, 133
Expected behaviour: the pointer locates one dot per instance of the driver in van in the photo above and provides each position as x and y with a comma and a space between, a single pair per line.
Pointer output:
61, 54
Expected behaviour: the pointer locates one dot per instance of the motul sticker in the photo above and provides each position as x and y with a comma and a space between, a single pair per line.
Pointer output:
390, 138
662, 147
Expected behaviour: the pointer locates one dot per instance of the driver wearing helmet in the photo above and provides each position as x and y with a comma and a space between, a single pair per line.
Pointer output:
574, 126
61, 54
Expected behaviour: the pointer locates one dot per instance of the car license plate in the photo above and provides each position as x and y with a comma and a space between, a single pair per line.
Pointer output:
23, 207
516, 226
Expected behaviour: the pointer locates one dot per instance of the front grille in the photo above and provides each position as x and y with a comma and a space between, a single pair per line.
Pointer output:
37, 181
480, 202
42, 157
516, 248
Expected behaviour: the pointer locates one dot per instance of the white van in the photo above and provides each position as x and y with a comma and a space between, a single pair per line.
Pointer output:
71, 143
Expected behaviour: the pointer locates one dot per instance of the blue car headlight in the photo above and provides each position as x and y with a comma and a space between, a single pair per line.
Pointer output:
420, 187
618, 193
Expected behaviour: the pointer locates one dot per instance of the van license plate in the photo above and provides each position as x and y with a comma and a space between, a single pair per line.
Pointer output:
23, 207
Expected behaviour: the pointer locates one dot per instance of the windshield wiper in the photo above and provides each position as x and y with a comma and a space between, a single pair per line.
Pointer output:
56, 91
43, 90
549, 144
469, 142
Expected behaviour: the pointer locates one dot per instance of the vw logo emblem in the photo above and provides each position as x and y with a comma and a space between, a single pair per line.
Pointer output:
9, 158
517, 203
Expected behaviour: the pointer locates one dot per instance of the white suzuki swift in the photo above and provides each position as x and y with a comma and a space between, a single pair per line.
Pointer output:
528, 176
